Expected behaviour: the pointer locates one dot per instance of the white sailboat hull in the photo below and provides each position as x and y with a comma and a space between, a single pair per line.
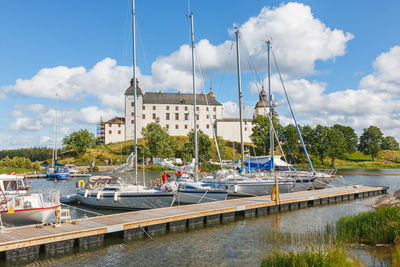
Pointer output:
28, 216
195, 196
127, 200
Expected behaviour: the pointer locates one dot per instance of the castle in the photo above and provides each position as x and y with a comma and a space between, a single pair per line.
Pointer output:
174, 112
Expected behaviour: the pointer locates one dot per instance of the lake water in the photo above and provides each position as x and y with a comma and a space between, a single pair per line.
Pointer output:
239, 243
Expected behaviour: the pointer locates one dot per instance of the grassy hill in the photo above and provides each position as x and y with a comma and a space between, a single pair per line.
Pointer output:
116, 153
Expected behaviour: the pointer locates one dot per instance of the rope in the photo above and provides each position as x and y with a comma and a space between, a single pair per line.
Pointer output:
99, 214
146, 232
291, 110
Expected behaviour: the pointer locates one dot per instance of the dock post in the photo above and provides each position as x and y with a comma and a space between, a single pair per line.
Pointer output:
21, 252
197, 222
84, 242
59, 246
133, 234
228, 217
157, 229
176, 226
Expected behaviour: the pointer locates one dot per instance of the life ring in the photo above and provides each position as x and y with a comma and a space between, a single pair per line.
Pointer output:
81, 184
157, 182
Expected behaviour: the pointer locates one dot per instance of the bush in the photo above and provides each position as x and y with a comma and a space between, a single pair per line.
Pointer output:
373, 227
327, 257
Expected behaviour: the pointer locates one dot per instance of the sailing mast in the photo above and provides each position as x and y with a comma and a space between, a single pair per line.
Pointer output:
134, 87
196, 152
54, 158
240, 103
271, 131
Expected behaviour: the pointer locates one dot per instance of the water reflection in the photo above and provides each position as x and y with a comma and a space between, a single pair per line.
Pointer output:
239, 243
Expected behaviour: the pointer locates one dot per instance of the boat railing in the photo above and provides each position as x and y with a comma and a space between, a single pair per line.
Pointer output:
54, 197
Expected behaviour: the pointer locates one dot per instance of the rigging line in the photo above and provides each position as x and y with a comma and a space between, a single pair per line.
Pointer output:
126, 38
291, 111
287, 145
146, 62
255, 75
209, 110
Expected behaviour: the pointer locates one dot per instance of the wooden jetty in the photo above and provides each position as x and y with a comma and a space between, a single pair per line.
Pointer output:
29, 241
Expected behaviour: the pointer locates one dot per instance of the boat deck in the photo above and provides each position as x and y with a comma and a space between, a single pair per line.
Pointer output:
29, 240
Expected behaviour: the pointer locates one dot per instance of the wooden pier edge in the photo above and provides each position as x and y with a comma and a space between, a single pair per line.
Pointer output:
28, 236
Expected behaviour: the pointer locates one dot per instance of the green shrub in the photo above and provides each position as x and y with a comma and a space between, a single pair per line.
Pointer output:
373, 227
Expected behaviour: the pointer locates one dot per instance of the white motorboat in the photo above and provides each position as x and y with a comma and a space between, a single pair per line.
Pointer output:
18, 206
112, 192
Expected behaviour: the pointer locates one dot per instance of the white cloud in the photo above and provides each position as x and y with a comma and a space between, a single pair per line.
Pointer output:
300, 41
386, 75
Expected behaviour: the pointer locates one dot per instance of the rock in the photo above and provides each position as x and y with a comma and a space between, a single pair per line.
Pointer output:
392, 199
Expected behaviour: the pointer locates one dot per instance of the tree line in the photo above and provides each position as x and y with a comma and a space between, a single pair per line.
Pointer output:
33, 154
322, 141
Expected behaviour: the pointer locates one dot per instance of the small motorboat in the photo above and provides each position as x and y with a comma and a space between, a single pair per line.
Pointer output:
20, 207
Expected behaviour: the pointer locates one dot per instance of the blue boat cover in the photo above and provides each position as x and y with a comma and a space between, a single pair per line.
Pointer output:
260, 166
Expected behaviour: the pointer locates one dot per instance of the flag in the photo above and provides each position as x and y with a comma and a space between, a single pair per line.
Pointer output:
92, 164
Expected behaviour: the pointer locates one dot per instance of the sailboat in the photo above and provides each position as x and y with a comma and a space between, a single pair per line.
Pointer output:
56, 170
243, 184
304, 180
190, 190
112, 192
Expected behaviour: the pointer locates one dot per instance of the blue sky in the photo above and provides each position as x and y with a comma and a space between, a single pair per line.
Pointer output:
340, 59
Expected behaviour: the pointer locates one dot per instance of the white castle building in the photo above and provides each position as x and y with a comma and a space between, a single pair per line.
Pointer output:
174, 112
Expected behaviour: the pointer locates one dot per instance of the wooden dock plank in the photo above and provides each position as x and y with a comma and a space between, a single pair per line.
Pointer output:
20, 237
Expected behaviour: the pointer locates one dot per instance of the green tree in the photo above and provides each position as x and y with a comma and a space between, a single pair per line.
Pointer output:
350, 136
336, 144
203, 145
158, 141
36, 166
390, 143
320, 145
371, 141
221, 147
260, 136
78, 142
291, 138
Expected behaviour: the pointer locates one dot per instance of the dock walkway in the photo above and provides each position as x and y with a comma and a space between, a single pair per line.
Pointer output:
29, 240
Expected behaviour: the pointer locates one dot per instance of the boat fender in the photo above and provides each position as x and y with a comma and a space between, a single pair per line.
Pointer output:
115, 196
98, 195
81, 184
86, 193
235, 188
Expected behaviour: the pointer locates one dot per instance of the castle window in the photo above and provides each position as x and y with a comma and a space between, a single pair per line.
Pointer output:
215, 109
176, 126
133, 114
177, 116
185, 126
197, 117
167, 116
245, 128
167, 107
110, 125
110, 132
144, 107
154, 116
144, 116
176, 107
132, 104
208, 116
197, 126
215, 116
154, 107
208, 126
132, 121
197, 108
186, 108
206, 108
119, 125
186, 116
167, 126
119, 132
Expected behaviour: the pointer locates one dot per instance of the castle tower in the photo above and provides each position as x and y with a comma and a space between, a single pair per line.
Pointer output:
129, 114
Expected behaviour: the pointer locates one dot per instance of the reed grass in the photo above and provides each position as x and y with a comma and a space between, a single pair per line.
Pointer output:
333, 256
381, 226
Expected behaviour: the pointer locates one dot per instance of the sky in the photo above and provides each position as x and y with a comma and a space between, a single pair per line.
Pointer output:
340, 60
